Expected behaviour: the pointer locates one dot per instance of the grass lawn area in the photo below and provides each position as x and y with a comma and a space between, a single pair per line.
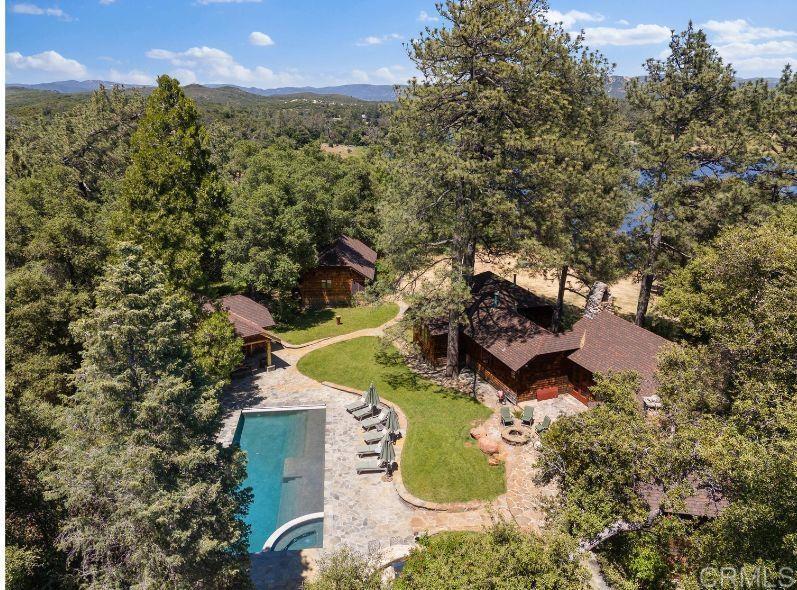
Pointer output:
320, 323
439, 462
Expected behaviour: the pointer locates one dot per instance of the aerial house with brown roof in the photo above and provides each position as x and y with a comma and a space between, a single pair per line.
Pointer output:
506, 337
251, 320
343, 270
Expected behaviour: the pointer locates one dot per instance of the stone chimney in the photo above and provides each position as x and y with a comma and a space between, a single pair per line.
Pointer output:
599, 298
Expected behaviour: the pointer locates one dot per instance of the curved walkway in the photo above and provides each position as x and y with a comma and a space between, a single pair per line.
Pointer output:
364, 511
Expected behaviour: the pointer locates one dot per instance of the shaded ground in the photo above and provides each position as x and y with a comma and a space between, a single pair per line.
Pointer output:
440, 463
321, 323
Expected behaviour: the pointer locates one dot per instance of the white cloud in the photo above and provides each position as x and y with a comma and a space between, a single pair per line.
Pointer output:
636, 35
740, 31
763, 66
49, 62
395, 74
32, 9
753, 51
571, 17
623, 22
258, 38
213, 65
746, 50
359, 76
131, 77
378, 40
425, 17
185, 76
107, 2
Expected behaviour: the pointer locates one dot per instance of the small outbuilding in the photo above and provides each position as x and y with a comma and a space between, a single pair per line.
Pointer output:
343, 270
251, 321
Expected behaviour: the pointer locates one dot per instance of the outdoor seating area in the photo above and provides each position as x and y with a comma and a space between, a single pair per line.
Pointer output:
380, 425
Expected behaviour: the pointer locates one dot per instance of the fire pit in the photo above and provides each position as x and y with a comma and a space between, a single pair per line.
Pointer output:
516, 435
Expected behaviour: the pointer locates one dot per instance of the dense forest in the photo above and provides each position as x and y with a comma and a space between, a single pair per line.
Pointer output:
126, 210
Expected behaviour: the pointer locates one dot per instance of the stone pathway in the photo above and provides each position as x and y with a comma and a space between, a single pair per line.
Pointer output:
363, 511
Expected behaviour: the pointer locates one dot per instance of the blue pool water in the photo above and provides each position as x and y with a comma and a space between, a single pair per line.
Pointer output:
285, 469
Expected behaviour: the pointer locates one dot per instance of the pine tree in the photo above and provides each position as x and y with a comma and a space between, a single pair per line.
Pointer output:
173, 200
150, 500
480, 148
681, 110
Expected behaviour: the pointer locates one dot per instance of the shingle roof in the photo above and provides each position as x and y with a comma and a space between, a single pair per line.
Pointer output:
512, 338
704, 502
248, 317
488, 283
346, 251
610, 343
496, 324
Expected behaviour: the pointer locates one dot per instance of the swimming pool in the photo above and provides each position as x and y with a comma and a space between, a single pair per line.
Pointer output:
285, 469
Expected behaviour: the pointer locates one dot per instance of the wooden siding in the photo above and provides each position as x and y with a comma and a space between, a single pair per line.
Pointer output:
433, 348
330, 285
582, 381
542, 373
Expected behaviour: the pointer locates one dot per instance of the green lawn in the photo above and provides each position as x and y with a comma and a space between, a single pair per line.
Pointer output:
320, 323
440, 462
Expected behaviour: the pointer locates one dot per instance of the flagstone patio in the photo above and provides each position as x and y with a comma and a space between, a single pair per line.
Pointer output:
364, 511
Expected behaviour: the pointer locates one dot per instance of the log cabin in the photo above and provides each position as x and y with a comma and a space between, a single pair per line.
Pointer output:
250, 320
507, 339
343, 270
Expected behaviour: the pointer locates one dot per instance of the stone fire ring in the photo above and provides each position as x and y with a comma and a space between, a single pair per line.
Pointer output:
516, 435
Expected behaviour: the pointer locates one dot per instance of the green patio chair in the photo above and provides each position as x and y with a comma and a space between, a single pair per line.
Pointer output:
543, 426
506, 417
528, 416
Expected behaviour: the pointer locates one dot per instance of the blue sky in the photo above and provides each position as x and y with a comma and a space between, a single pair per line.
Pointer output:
270, 43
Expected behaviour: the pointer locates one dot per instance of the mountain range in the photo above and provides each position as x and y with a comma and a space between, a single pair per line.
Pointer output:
368, 92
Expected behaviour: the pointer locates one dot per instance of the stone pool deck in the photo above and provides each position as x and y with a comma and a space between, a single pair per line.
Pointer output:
364, 511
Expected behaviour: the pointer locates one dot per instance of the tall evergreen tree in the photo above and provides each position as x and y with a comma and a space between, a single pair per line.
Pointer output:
173, 201
150, 499
681, 109
480, 147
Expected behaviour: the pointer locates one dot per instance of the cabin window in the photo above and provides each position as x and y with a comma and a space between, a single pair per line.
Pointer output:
326, 283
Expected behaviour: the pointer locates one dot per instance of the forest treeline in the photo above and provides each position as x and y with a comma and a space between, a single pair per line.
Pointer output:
125, 213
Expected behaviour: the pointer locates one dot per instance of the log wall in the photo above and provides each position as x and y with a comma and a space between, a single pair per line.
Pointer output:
329, 285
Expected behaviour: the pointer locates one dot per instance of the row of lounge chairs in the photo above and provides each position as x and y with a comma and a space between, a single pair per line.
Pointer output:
380, 427
527, 419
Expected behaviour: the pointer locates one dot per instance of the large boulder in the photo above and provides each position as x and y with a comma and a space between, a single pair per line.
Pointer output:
478, 432
488, 446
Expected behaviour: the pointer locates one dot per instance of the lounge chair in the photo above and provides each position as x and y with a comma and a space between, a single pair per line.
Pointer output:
375, 421
528, 416
365, 412
370, 466
369, 449
374, 437
358, 405
506, 417
543, 426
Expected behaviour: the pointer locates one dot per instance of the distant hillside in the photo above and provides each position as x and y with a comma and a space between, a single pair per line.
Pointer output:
242, 94
72, 86
370, 92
